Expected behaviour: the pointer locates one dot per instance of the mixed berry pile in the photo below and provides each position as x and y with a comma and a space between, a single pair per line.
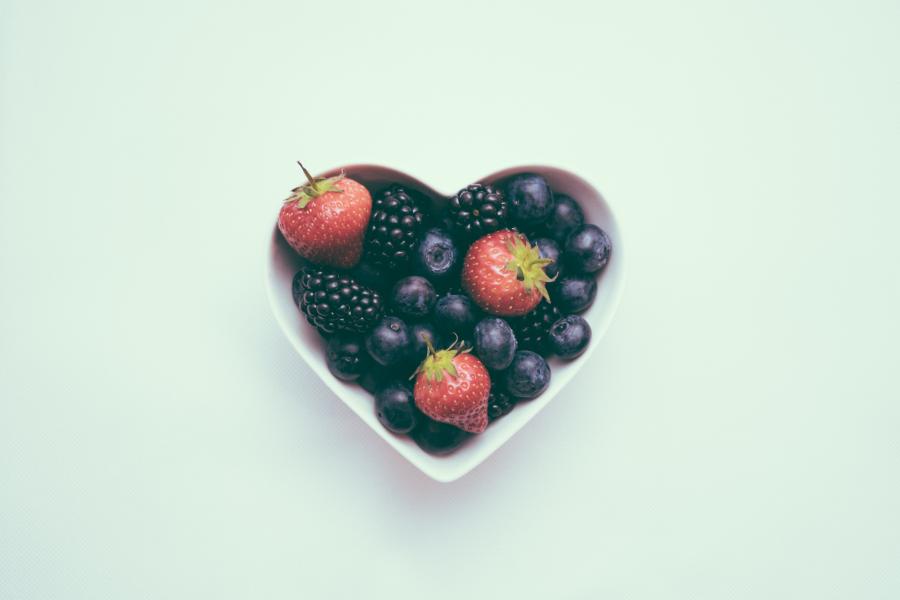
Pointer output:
446, 317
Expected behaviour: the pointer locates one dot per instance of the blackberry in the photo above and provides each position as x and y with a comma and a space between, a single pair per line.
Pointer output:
533, 330
499, 404
477, 210
393, 229
334, 301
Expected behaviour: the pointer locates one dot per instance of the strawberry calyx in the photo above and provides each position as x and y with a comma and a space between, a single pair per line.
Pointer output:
313, 188
439, 362
527, 264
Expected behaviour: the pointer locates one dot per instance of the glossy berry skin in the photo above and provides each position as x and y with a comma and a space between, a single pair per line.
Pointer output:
346, 356
390, 342
587, 249
437, 438
327, 224
549, 249
569, 336
500, 403
530, 199
413, 297
504, 274
437, 256
564, 219
477, 210
495, 343
458, 399
528, 375
395, 408
393, 229
455, 313
575, 293
333, 301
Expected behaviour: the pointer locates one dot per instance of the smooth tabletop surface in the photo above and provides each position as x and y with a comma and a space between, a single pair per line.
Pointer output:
733, 436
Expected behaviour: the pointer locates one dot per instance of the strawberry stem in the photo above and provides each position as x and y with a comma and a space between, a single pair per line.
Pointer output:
438, 362
314, 187
310, 178
528, 265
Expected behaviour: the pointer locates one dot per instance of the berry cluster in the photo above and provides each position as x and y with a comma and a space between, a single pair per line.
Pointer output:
448, 327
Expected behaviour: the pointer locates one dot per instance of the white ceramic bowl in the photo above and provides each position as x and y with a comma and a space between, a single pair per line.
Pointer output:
283, 262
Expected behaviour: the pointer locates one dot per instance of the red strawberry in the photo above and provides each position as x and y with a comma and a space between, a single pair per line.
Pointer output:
453, 387
504, 274
325, 220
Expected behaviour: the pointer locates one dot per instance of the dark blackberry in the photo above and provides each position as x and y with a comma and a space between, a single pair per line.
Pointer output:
532, 330
477, 210
393, 229
499, 404
334, 301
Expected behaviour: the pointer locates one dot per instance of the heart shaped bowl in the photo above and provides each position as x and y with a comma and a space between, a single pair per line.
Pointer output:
283, 262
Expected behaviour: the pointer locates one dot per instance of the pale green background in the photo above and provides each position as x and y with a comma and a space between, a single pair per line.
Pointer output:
735, 435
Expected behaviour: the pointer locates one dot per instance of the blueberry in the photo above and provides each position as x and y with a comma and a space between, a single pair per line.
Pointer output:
565, 218
569, 336
395, 408
390, 342
413, 297
574, 293
437, 256
530, 199
421, 332
346, 356
455, 313
587, 249
549, 249
495, 343
528, 375
374, 378
437, 438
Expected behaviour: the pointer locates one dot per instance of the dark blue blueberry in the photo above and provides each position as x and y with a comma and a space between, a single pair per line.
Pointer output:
569, 336
375, 377
495, 343
395, 408
437, 257
421, 332
455, 313
530, 199
437, 438
390, 342
574, 293
565, 218
413, 297
528, 375
346, 356
587, 249
549, 249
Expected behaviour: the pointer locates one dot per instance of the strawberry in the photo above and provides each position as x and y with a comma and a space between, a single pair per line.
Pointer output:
325, 220
504, 274
452, 386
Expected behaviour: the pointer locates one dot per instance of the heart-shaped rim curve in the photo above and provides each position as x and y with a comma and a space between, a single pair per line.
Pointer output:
283, 262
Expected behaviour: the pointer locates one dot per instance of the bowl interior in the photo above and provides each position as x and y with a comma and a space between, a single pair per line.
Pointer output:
283, 262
